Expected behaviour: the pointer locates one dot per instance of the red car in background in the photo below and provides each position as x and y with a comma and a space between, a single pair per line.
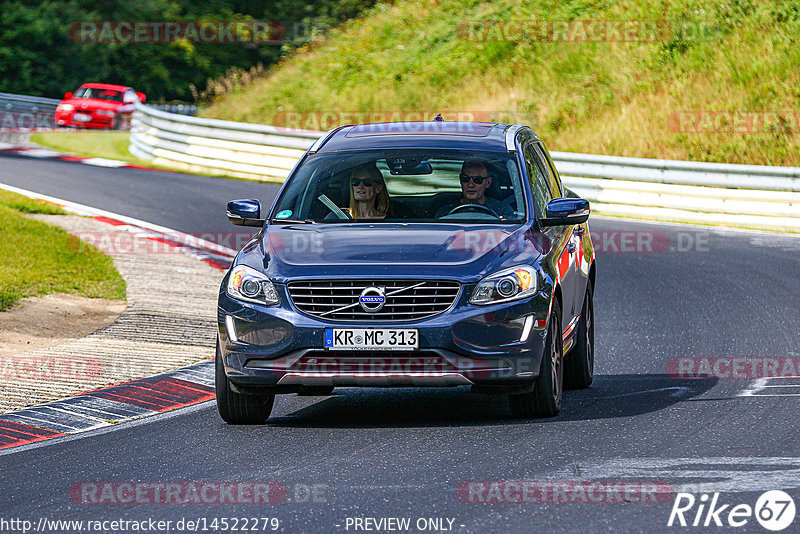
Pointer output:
98, 105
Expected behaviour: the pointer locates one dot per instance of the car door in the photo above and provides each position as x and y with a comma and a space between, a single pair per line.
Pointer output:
584, 252
567, 252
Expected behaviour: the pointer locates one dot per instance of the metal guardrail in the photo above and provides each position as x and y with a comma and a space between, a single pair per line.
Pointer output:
21, 112
237, 149
180, 109
752, 196
31, 102
749, 196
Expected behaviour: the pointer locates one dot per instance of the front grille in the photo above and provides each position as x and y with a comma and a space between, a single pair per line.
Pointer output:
320, 297
321, 361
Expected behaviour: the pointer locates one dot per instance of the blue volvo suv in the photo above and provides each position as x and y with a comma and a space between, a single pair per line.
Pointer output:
408, 255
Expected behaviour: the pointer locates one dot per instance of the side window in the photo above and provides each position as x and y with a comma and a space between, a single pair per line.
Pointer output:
539, 183
549, 169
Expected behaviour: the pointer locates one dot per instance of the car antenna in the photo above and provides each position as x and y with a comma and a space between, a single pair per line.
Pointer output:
438, 118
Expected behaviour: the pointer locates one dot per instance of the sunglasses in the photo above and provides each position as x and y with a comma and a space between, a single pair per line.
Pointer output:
478, 180
368, 182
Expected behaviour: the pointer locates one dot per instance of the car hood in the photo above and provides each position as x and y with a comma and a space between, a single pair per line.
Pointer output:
92, 103
394, 249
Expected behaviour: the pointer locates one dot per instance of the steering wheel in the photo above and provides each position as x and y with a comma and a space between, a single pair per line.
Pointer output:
478, 207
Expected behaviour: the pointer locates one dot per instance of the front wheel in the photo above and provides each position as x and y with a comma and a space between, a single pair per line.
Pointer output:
579, 364
545, 399
235, 408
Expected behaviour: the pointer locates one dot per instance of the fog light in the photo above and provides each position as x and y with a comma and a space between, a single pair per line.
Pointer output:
526, 329
230, 327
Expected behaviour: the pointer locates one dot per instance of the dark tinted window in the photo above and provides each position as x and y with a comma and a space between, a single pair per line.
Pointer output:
539, 183
552, 175
101, 94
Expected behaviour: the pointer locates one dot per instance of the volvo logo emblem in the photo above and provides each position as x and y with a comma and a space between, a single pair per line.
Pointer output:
372, 299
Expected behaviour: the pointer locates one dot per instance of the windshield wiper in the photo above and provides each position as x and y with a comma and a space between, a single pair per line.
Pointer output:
292, 221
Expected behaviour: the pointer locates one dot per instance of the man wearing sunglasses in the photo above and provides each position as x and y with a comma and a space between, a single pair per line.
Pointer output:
475, 180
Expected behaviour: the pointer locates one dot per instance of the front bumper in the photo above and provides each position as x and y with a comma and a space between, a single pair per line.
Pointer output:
66, 119
281, 349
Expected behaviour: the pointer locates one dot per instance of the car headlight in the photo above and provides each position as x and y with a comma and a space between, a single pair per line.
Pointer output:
65, 107
250, 285
104, 112
509, 284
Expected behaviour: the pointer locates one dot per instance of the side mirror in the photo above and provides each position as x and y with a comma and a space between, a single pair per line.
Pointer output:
67, 96
245, 212
142, 98
566, 211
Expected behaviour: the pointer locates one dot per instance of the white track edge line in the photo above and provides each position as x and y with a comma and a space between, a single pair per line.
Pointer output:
82, 209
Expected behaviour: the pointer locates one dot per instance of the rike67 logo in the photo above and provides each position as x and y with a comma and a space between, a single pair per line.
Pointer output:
774, 510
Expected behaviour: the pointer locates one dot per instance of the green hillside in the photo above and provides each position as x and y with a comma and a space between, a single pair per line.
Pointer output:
726, 69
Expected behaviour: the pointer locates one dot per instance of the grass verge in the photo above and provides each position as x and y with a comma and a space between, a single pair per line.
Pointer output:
101, 144
110, 145
718, 81
37, 258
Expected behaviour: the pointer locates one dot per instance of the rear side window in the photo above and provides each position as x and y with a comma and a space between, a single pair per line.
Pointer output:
550, 172
539, 182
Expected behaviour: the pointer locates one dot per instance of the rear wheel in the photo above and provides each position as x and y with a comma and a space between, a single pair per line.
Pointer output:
579, 364
235, 408
545, 399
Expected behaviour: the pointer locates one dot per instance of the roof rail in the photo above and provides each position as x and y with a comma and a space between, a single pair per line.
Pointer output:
511, 135
324, 139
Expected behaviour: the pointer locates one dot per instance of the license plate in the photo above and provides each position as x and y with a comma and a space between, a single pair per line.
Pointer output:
371, 339
81, 117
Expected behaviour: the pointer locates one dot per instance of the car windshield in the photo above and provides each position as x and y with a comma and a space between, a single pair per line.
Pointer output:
102, 94
405, 186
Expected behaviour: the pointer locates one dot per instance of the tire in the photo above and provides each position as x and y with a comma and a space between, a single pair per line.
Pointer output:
235, 408
545, 399
117, 123
579, 364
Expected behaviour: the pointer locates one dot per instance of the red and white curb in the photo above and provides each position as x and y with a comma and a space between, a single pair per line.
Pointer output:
217, 256
130, 400
109, 406
46, 153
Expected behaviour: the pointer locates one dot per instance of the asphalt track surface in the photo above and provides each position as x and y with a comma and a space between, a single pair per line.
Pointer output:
383, 453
